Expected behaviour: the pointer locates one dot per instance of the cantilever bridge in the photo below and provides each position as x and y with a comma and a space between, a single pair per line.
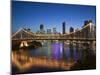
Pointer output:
87, 33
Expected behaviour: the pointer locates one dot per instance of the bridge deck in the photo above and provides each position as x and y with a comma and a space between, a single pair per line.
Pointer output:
76, 39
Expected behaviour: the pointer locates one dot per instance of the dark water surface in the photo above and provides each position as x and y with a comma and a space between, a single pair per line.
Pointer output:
83, 54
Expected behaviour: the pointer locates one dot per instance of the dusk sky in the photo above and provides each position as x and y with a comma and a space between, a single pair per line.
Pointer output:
32, 14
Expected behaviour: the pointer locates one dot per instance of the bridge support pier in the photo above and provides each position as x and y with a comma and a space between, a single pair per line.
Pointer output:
24, 44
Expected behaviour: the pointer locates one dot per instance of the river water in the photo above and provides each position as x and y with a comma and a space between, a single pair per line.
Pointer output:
61, 50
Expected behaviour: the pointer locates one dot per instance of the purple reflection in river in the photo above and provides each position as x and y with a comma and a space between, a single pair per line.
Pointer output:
56, 50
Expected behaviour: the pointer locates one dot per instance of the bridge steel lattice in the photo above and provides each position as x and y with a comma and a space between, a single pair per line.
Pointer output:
86, 33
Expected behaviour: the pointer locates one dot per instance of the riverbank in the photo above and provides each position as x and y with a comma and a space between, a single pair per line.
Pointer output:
30, 45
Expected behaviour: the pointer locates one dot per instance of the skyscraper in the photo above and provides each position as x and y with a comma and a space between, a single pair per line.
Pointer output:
54, 31
71, 29
41, 27
63, 28
87, 22
42, 31
49, 31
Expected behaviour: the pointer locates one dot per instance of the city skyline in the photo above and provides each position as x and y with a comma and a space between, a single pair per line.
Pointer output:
52, 37
31, 15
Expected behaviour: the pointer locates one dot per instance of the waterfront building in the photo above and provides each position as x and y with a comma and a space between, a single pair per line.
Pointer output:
63, 27
41, 31
49, 31
71, 29
54, 31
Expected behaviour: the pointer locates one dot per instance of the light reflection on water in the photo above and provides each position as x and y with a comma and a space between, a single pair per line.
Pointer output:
57, 50
51, 52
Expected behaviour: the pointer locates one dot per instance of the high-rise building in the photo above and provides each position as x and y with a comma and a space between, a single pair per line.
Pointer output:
49, 31
87, 22
54, 31
71, 29
42, 31
41, 27
63, 27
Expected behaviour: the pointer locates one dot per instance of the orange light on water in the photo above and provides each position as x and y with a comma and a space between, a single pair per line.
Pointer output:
30, 62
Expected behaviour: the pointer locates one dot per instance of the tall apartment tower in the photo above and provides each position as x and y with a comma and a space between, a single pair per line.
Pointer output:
41, 27
42, 31
54, 31
63, 27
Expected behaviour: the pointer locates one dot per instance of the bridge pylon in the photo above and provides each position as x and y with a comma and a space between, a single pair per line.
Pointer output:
24, 44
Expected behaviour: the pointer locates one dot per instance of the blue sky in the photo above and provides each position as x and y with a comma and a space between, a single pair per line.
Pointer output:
32, 14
